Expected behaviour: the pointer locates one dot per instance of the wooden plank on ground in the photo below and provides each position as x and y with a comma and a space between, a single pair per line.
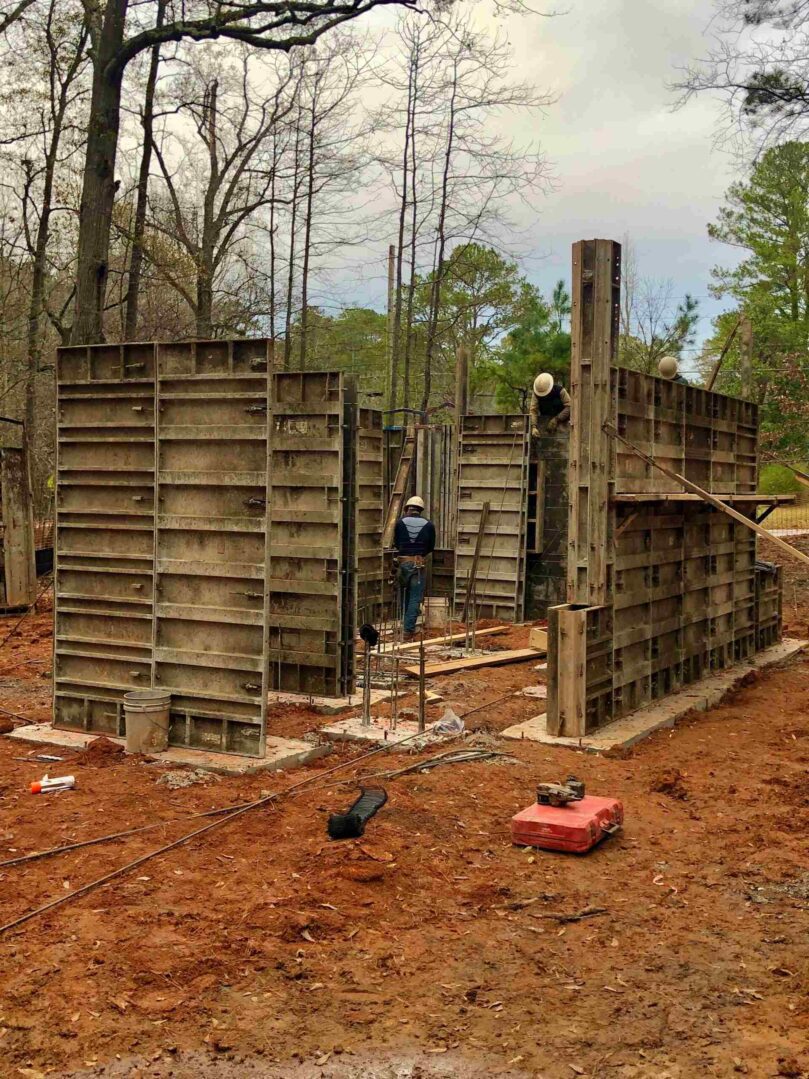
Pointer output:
496, 659
413, 645
538, 638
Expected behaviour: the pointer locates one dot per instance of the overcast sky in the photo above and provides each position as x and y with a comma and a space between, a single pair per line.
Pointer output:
624, 162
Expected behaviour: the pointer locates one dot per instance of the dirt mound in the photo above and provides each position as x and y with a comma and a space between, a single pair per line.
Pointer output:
101, 752
671, 781
6, 725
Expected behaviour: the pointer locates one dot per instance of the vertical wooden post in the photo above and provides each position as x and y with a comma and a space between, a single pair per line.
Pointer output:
594, 320
594, 335
567, 662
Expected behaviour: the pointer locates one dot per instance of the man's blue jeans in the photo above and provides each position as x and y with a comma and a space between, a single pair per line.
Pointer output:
411, 586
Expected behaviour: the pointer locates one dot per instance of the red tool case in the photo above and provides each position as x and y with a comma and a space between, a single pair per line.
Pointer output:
575, 827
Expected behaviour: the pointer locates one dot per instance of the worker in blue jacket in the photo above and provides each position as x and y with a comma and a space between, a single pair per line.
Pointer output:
414, 539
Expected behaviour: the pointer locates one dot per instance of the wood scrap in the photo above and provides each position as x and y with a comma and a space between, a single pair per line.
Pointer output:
448, 639
538, 638
565, 919
494, 659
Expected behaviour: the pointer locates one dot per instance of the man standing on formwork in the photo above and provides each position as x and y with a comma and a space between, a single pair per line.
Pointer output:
414, 539
550, 401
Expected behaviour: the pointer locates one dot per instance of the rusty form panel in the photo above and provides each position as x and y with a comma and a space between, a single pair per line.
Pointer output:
104, 532
18, 575
209, 624
369, 480
312, 547
493, 468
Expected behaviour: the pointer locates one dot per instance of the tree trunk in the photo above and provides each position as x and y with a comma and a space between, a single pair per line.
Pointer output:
205, 258
98, 184
396, 346
272, 238
147, 123
411, 285
292, 227
307, 228
438, 274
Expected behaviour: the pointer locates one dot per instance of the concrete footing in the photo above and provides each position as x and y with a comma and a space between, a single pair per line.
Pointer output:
280, 753
378, 732
630, 729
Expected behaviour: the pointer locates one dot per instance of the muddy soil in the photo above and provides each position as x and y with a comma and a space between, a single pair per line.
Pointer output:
431, 946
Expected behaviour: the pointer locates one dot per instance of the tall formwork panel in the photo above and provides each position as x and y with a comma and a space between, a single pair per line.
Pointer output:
210, 542
312, 537
369, 486
663, 585
492, 468
104, 532
18, 576
161, 538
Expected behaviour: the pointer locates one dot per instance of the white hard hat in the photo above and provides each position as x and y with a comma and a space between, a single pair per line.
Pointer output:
416, 502
668, 366
543, 384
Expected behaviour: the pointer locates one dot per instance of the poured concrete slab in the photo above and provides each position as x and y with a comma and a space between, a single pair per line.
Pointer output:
333, 706
630, 729
328, 706
379, 732
281, 752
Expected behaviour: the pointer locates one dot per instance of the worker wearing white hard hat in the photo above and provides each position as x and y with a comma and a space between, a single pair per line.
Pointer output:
669, 367
414, 540
549, 400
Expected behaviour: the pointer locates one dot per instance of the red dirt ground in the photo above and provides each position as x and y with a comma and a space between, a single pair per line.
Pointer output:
431, 946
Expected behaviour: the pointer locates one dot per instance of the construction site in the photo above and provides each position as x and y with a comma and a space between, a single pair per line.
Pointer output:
286, 837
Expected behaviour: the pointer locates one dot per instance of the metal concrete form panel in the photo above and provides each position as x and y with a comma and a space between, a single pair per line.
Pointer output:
312, 546
493, 468
369, 481
209, 624
18, 576
104, 532
667, 587
160, 537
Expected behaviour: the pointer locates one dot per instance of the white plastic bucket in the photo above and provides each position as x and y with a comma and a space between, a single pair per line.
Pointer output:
147, 720
436, 612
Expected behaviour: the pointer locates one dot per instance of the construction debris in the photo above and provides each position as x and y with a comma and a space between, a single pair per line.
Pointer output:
176, 780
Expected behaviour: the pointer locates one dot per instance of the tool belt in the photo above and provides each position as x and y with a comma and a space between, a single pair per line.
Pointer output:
411, 560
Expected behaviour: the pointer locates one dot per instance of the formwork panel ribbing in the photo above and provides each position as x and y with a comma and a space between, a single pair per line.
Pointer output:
493, 468
312, 548
208, 643
104, 532
174, 567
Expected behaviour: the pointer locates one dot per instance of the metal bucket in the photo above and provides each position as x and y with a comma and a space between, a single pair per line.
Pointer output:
147, 720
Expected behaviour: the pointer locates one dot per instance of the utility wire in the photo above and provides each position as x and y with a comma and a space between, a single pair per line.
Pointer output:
225, 819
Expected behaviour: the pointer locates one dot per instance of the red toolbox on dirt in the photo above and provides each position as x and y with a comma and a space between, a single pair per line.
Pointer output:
575, 827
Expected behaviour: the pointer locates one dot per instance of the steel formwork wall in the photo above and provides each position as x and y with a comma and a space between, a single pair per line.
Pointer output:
312, 548
369, 482
493, 468
160, 538
172, 460
685, 595
104, 532
210, 537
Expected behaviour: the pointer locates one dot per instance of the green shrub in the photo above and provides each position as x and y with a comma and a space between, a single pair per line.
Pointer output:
777, 480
